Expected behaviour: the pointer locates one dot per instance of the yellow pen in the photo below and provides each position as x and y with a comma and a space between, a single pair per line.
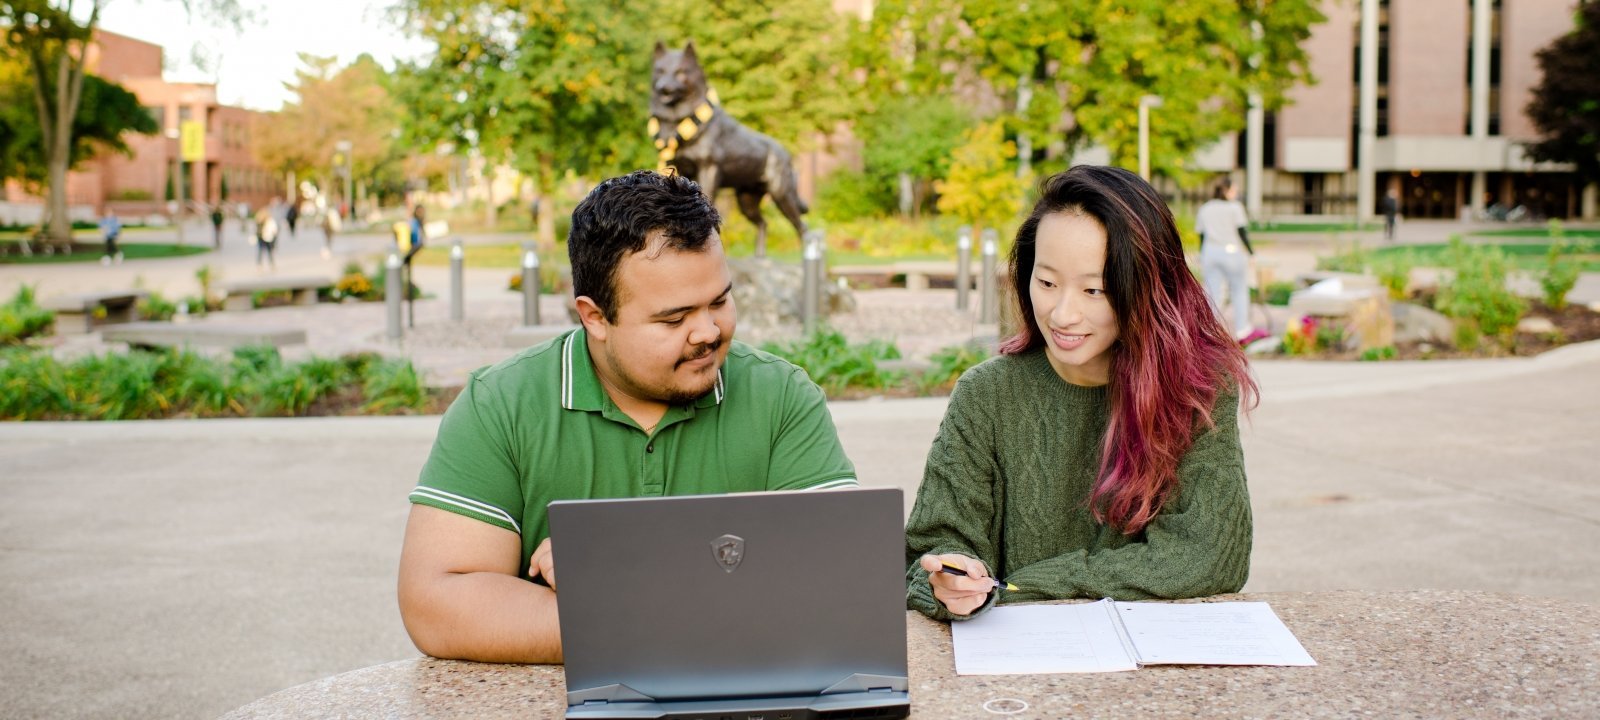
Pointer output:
951, 569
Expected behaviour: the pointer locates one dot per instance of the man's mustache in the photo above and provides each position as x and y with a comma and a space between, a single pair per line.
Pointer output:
703, 351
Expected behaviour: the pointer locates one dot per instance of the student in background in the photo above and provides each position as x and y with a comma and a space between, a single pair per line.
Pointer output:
1098, 455
111, 227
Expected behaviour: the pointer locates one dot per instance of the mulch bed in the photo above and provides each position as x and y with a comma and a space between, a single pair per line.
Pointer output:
1574, 324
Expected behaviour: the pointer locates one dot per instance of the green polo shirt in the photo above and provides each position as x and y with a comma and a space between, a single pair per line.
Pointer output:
538, 427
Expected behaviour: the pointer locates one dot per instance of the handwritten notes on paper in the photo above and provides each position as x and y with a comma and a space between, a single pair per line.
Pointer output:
1110, 636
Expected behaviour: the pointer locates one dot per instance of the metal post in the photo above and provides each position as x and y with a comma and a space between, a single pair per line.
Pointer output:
457, 291
812, 285
989, 303
391, 295
530, 286
963, 267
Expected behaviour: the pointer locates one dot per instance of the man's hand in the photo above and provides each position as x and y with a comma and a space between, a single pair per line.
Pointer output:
961, 595
543, 564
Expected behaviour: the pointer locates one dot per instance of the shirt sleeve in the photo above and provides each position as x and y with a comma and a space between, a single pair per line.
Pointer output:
1200, 221
806, 454
472, 470
1198, 545
1242, 218
955, 507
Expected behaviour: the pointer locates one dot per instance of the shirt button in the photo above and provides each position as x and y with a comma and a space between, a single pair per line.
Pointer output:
650, 448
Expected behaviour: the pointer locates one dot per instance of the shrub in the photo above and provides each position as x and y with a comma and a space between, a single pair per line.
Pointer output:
948, 364
1477, 296
1386, 352
1394, 272
848, 195
835, 364
392, 384
1277, 293
156, 306
1351, 260
354, 285
1308, 335
1559, 276
21, 318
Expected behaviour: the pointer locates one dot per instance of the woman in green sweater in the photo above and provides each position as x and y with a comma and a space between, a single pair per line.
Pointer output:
1098, 455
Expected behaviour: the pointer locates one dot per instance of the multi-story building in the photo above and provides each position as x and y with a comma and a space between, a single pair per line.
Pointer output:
1447, 92
147, 182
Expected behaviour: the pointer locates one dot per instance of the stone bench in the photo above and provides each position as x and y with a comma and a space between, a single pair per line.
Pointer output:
918, 274
524, 336
210, 334
302, 290
83, 312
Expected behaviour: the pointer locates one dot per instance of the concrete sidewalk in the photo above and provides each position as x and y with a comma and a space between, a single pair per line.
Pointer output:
179, 569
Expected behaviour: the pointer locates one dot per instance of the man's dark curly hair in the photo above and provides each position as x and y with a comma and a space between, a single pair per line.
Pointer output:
620, 215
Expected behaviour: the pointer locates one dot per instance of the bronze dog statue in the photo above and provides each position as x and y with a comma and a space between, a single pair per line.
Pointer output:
693, 135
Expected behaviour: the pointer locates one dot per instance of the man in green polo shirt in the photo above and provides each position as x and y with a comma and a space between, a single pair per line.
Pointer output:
651, 396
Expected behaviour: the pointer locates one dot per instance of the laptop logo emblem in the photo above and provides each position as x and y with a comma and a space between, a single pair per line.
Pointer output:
728, 551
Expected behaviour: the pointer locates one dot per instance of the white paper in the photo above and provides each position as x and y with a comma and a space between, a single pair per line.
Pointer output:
1029, 639
1230, 633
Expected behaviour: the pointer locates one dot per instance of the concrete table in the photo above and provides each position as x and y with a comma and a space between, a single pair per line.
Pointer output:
1389, 654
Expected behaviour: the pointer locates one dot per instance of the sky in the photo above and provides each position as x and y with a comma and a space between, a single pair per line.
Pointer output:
256, 63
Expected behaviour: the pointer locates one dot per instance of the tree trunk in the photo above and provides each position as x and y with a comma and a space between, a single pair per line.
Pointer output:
58, 156
488, 196
544, 195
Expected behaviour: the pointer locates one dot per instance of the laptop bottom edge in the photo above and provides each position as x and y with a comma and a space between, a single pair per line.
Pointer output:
873, 705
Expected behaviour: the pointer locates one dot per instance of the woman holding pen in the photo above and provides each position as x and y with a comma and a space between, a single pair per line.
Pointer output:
1098, 455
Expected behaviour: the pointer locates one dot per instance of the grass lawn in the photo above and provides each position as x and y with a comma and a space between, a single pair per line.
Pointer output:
1293, 227
1540, 232
86, 250
1523, 255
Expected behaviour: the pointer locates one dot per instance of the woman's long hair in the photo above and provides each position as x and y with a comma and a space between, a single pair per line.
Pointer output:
1172, 356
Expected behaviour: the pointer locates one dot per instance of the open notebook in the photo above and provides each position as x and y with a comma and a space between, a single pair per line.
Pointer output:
1109, 636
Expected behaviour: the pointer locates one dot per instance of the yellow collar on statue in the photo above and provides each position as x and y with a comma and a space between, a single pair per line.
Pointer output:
686, 130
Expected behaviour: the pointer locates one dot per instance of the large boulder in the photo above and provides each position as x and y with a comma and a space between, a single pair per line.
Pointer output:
768, 293
1415, 323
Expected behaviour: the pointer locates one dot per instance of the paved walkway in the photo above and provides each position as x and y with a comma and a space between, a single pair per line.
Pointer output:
178, 569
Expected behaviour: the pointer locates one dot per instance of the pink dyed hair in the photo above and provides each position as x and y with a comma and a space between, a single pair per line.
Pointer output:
1172, 357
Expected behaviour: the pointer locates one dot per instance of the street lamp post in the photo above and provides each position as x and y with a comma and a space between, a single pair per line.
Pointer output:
1145, 103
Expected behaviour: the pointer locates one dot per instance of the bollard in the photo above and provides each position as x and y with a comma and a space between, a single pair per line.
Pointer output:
530, 286
457, 286
391, 295
963, 267
988, 306
811, 288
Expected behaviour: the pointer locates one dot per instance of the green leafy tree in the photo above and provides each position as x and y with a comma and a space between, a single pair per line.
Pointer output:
1065, 75
53, 42
332, 105
107, 112
911, 139
549, 88
1566, 102
981, 187
779, 67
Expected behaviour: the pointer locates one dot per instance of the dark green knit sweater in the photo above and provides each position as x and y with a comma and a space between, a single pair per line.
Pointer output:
1008, 480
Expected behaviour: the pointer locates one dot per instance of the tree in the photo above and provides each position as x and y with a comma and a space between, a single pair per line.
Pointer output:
908, 142
981, 188
1071, 74
106, 113
351, 104
53, 43
1566, 102
549, 88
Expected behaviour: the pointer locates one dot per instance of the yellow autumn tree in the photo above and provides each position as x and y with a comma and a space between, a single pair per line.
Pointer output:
982, 187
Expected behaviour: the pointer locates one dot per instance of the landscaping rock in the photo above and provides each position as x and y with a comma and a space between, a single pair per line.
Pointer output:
1536, 326
1264, 347
768, 293
1415, 323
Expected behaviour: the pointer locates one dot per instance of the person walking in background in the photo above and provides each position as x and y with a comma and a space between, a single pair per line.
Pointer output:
216, 225
1225, 255
1098, 455
330, 227
111, 227
291, 215
1391, 211
268, 227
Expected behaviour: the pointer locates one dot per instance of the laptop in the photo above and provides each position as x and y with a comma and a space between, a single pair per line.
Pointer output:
758, 606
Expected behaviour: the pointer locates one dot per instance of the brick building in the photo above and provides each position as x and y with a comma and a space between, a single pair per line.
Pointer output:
137, 185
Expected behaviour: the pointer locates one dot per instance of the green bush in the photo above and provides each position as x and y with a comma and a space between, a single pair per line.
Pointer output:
1386, 352
849, 195
1560, 274
140, 384
947, 366
21, 318
1350, 260
1278, 292
1477, 296
156, 306
1393, 271
835, 364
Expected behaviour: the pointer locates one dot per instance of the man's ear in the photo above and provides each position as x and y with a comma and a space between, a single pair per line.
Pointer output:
594, 321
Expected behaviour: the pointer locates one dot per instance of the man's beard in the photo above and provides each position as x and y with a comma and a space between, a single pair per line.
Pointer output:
671, 395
